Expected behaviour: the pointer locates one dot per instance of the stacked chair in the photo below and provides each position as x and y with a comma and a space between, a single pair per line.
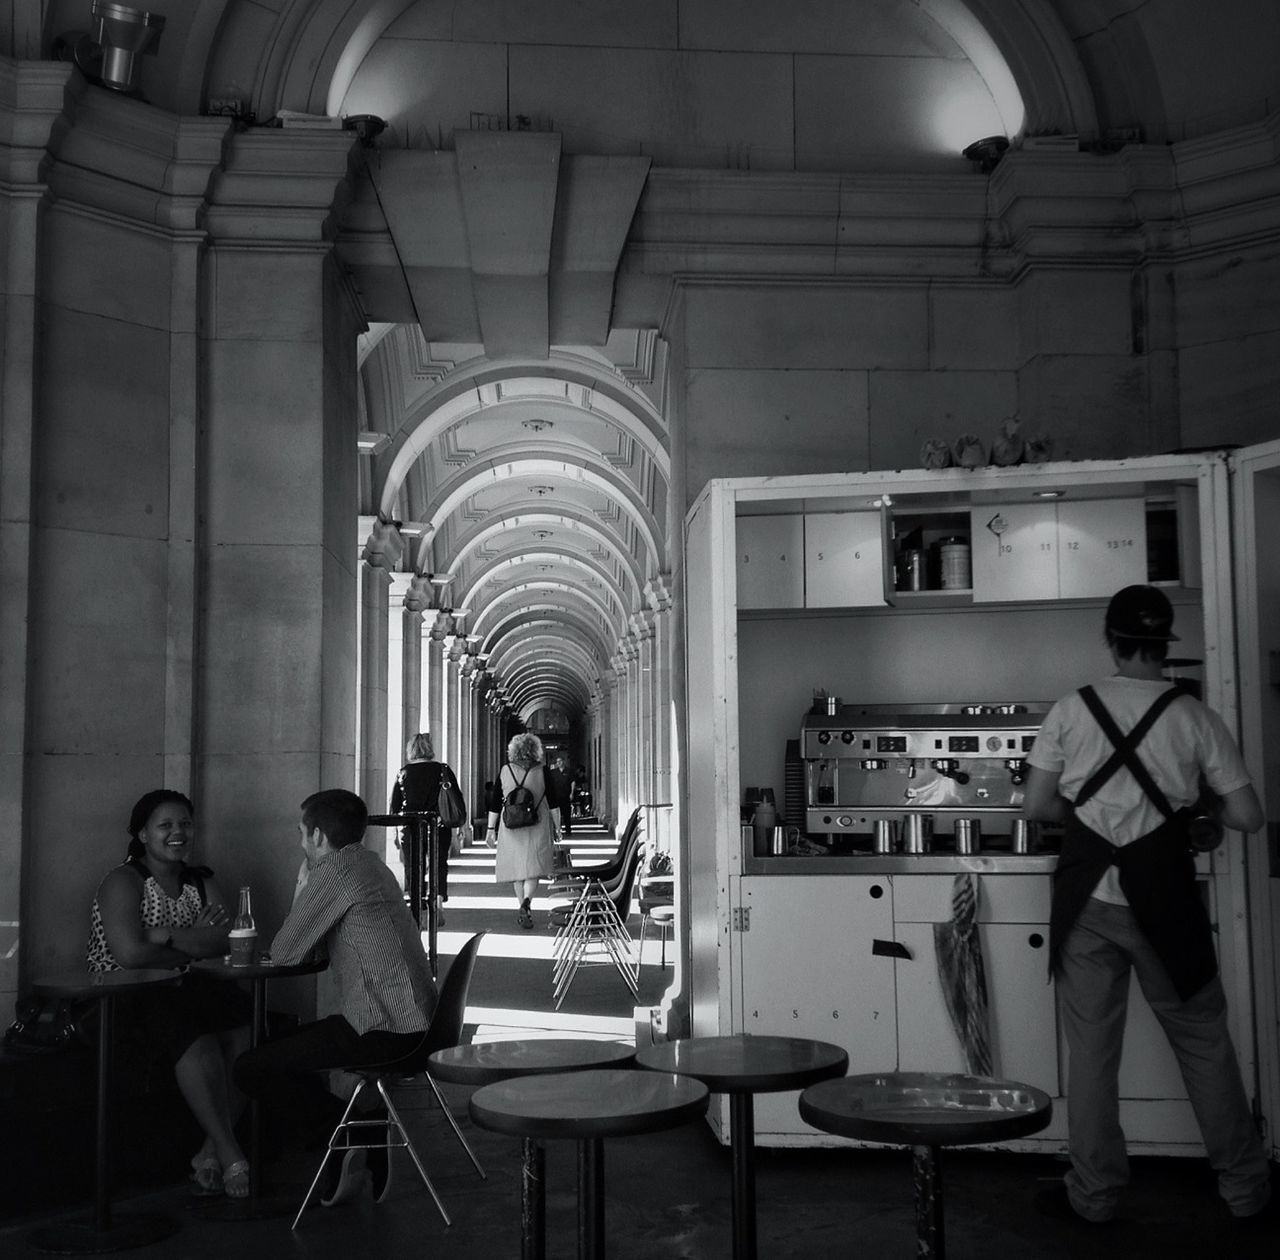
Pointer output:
596, 921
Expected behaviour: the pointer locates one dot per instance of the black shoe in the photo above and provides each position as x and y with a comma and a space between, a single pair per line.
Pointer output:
1052, 1201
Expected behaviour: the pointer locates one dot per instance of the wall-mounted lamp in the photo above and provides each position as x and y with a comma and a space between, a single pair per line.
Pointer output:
368, 127
107, 54
987, 152
440, 579
414, 529
371, 443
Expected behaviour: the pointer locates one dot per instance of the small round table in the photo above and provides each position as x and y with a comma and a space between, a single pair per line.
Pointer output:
108, 1231
588, 1106
742, 1066
490, 1061
257, 1205
926, 1111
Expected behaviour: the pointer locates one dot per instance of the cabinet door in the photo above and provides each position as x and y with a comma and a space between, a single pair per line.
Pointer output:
1015, 552
843, 560
808, 969
1102, 546
1021, 1016
770, 553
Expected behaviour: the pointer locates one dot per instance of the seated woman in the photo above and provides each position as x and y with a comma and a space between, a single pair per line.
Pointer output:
154, 910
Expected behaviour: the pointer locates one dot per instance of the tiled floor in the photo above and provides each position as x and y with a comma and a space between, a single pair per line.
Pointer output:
667, 1194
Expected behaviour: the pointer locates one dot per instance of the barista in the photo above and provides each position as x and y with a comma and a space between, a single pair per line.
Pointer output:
1120, 763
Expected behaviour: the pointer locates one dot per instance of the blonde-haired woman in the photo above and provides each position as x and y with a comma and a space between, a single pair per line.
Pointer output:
525, 854
417, 790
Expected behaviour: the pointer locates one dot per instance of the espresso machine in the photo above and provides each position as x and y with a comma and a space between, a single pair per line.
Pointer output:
918, 777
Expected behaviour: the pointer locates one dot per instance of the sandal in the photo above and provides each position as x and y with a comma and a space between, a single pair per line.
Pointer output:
235, 1180
206, 1175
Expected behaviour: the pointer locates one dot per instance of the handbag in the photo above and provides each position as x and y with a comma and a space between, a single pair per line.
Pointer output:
46, 1025
451, 807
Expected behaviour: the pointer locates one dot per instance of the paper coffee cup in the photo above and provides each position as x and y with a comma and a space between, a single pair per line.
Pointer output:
241, 942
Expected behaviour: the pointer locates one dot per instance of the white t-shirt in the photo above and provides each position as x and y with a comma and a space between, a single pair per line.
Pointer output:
1188, 739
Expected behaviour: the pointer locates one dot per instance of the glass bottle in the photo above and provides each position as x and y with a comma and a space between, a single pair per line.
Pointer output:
243, 921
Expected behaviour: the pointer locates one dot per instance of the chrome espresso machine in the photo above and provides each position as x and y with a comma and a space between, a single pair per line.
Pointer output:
918, 778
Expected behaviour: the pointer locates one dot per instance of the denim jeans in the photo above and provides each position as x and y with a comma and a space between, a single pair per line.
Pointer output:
1093, 994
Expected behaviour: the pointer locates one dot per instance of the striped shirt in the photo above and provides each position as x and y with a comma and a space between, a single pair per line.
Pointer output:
353, 904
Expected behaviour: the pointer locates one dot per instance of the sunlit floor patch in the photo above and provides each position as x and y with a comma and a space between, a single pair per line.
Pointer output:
493, 1024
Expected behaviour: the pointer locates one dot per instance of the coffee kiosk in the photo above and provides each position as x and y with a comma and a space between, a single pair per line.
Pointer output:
831, 585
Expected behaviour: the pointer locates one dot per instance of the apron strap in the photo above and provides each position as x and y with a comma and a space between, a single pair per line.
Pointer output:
1126, 748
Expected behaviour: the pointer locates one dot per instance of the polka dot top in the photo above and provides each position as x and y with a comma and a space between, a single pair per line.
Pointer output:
156, 909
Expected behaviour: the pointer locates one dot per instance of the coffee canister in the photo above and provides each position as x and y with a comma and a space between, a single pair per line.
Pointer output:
886, 835
968, 835
957, 572
917, 833
1020, 840
778, 844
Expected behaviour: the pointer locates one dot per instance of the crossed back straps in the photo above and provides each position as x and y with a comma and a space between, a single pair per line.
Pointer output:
1126, 748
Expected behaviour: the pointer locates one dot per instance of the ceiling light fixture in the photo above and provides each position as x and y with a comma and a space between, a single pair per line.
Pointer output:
537, 424
542, 491
542, 534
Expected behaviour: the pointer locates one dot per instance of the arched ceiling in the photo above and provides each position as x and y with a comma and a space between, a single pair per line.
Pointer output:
527, 445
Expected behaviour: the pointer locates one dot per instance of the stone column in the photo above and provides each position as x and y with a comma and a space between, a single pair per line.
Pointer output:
435, 679
642, 626
381, 554
396, 731
455, 648
417, 599
661, 734
31, 100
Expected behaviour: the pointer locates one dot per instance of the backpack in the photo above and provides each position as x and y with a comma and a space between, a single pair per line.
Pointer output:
519, 808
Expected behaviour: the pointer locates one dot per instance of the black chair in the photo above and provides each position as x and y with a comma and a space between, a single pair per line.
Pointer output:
445, 1030
606, 870
615, 877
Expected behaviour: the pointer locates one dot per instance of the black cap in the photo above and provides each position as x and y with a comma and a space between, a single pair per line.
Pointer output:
1141, 612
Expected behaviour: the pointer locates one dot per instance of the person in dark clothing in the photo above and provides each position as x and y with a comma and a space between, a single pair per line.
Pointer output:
417, 789
558, 772
1120, 764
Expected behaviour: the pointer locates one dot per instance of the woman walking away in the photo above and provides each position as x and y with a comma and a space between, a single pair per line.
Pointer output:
417, 790
522, 822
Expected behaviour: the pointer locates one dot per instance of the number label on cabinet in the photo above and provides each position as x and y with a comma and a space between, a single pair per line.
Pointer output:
1102, 546
770, 561
1015, 552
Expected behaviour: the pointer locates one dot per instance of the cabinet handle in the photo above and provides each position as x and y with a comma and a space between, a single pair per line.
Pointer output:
876, 892
1035, 940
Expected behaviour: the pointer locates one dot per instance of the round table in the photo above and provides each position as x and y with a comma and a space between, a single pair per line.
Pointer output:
588, 1106
485, 1062
742, 1066
108, 1231
926, 1111
259, 1204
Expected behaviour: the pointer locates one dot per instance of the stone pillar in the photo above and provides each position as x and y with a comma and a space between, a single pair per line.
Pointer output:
396, 731
33, 94
381, 554
466, 727
435, 679
642, 625
417, 600
661, 732
455, 647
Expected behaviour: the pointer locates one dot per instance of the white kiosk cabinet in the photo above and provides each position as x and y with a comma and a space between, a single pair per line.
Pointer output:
841, 947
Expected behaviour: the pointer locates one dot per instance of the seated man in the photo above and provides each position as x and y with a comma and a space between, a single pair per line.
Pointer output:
349, 903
